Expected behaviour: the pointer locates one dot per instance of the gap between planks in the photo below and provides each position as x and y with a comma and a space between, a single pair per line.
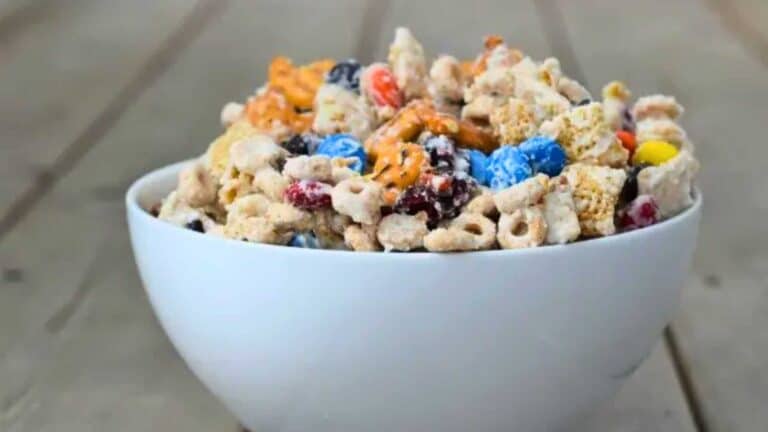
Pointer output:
553, 23
157, 63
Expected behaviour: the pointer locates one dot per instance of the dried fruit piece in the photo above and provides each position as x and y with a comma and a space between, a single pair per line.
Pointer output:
309, 194
641, 212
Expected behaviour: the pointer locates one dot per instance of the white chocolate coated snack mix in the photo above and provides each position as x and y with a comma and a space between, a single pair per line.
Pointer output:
440, 154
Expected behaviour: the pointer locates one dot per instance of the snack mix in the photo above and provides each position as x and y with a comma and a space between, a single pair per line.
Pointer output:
501, 152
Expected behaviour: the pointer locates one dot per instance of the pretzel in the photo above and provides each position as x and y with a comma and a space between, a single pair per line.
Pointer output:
271, 113
298, 84
421, 115
400, 165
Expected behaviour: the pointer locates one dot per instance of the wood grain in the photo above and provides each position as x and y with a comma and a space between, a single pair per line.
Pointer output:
687, 52
82, 338
74, 62
77, 333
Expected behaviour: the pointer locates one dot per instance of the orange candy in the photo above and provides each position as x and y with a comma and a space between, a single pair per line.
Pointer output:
384, 88
627, 140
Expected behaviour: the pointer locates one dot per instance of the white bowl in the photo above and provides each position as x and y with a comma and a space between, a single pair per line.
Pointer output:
311, 340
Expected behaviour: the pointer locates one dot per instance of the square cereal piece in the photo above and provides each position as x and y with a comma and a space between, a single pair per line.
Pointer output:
587, 137
596, 191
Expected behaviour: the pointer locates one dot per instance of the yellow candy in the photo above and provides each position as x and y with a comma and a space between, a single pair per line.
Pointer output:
654, 153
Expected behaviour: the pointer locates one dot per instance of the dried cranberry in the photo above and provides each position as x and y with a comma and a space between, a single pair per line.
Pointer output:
440, 196
309, 194
419, 198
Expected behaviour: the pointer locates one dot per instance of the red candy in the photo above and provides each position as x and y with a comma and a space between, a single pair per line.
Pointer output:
627, 140
382, 86
309, 195
641, 212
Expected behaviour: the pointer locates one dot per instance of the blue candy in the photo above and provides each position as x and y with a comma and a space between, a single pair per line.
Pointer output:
346, 146
304, 240
544, 154
507, 166
477, 161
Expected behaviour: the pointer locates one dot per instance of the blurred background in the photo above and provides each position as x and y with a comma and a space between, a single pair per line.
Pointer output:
93, 93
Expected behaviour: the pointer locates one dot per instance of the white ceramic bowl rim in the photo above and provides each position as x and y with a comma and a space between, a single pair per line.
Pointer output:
133, 206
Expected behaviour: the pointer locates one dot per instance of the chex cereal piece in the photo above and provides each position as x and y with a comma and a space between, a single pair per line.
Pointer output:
596, 191
514, 121
586, 137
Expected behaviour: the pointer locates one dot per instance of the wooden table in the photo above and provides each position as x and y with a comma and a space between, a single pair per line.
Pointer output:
95, 92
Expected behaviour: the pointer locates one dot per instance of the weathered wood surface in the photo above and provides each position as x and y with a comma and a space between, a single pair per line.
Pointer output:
79, 349
683, 48
81, 338
66, 67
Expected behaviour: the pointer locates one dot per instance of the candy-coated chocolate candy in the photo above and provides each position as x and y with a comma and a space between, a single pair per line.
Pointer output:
345, 146
627, 139
345, 74
304, 240
382, 86
507, 166
544, 154
654, 153
477, 161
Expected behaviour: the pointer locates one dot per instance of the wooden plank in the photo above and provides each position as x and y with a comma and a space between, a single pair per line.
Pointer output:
63, 64
685, 51
645, 403
76, 334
